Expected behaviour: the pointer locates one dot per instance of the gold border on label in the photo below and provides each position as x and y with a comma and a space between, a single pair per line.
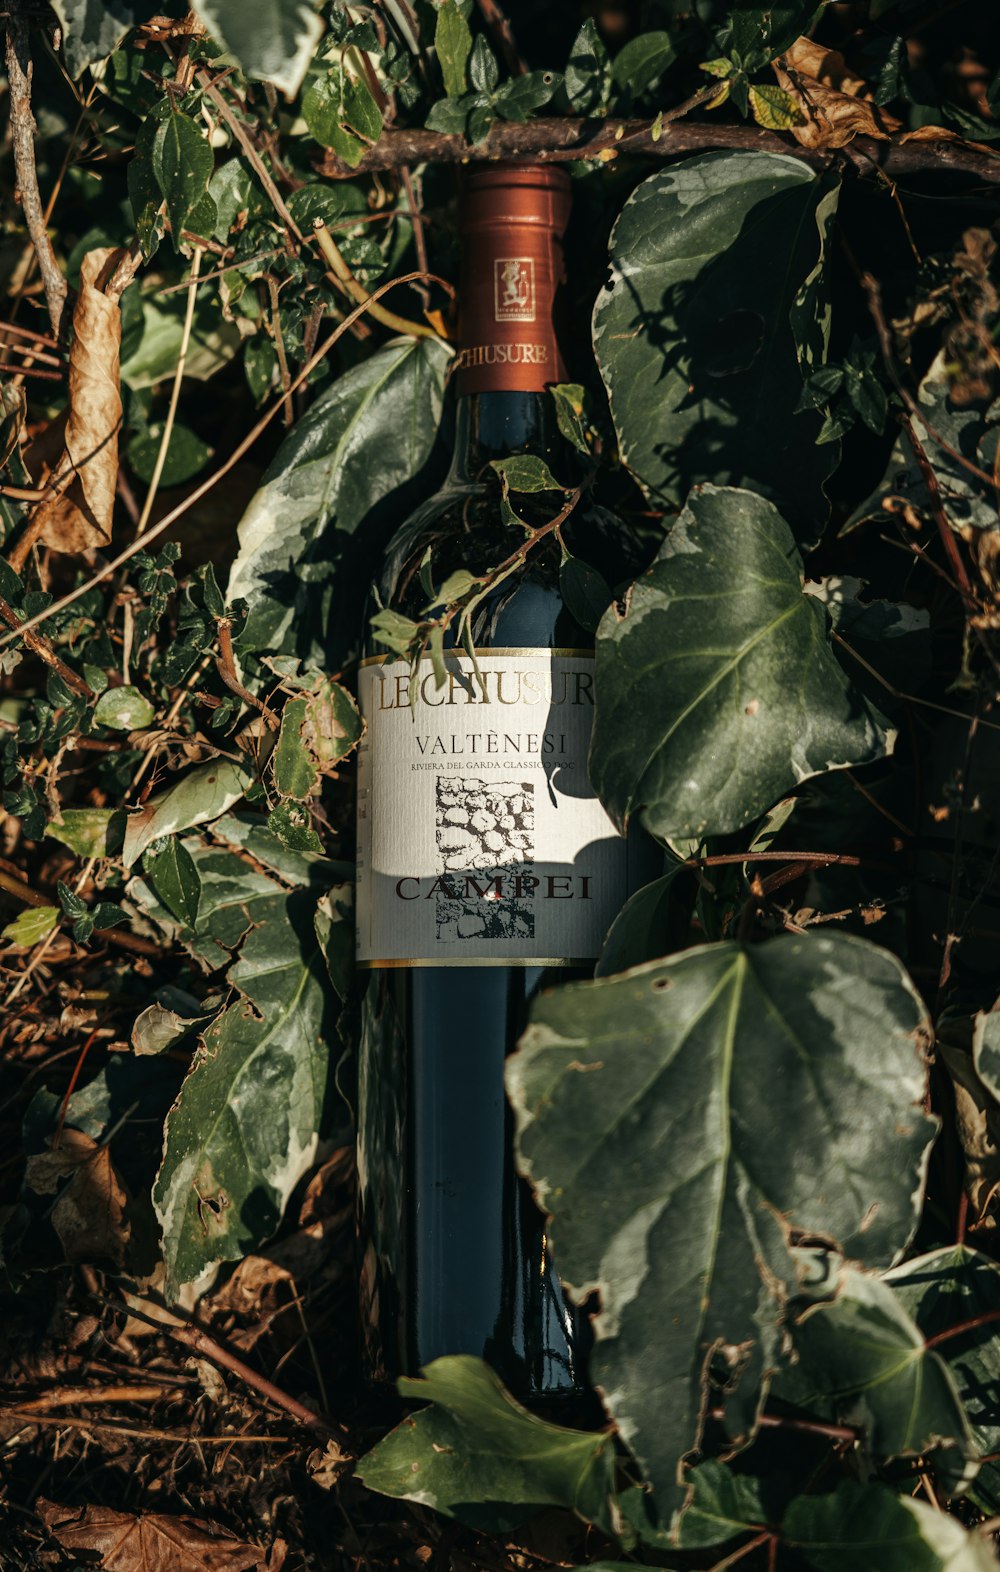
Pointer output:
447, 964
536, 649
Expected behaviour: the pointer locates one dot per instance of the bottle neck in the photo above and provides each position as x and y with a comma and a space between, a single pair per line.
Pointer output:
494, 425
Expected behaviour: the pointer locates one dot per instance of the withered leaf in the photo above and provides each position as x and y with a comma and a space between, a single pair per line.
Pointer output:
835, 102
147, 1541
79, 517
90, 1213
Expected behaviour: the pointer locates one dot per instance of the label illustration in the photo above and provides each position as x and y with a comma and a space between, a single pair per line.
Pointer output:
514, 289
480, 840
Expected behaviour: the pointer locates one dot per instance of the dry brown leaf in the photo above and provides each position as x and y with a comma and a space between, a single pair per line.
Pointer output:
147, 1541
977, 1120
89, 1215
79, 518
941, 134
834, 100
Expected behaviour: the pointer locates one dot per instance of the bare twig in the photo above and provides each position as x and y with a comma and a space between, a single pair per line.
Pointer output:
225, 665
175, 1437
43, 649
571, 137
22, 130
419, 238
201, 1343
65, 1397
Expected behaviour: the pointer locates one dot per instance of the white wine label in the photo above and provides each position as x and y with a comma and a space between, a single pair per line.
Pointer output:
480, 840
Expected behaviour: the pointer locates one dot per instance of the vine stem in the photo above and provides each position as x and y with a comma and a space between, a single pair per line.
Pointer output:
963, 1327
175, 393
570, 138
208, 485
20, 70
43, 649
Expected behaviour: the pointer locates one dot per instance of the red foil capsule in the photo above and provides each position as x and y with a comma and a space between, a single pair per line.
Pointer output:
514, 217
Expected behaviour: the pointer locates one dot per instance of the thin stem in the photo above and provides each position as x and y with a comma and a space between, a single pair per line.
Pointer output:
246, 143
339, 267
985, 1319
175, 393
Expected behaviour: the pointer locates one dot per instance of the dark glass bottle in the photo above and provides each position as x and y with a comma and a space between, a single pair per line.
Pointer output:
468, 900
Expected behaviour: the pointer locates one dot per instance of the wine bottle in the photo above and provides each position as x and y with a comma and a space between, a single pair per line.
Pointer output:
487, 869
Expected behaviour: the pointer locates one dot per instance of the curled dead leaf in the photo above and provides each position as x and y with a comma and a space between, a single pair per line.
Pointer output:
835, 102
147, 1541
78, 518
89, 1214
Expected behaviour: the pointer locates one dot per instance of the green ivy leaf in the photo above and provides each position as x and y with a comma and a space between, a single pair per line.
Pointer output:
204, 794
944, 1292
93, 29
788, 1077
525, 472
477, 1455
862, 1360
453, 43
186, 454
718, 689
585, 592
774, 108
182, 163
588, 73
31, 926
703, 338
349, 460
90, 832
516, 99
245, 1125
273, 40
722, 1505
171, 870
642, 61
483, 70
760, 32
640, 931
123, 709
868, 1528
342, 114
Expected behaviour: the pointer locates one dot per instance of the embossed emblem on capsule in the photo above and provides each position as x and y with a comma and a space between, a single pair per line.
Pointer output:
514, 289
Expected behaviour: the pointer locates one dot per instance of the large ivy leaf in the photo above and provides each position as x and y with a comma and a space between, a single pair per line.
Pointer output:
679, 1120
868, 1528
718, 689
273, 40
245, 1125
863, 1360
477, 1455
358, 446
715, 306
953, 1296
92, 29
